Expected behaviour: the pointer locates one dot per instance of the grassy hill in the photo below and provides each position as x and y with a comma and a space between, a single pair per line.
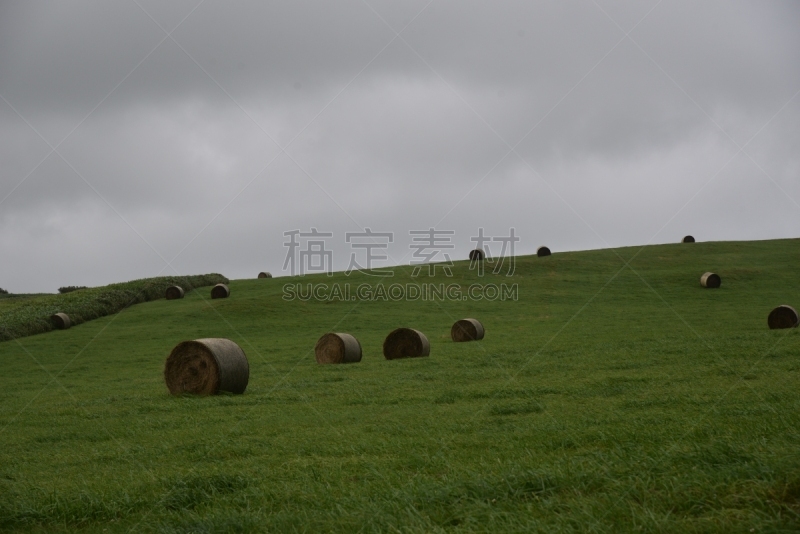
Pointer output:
615, 394
26, 315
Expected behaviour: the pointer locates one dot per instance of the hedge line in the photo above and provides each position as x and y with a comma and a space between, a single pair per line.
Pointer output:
70, 289
32, 316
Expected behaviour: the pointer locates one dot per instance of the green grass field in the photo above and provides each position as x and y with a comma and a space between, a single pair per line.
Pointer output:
611, 397
26, 315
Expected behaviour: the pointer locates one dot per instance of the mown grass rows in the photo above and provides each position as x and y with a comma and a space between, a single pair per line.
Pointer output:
26, 317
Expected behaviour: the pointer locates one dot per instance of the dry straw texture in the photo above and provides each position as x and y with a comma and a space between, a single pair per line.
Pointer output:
264, 275
206, 367
220, 291
688, 239
467, 330
476, 255
174, 292
61, 321
406, 343
782, 317
710, 280
337, 348
543, 251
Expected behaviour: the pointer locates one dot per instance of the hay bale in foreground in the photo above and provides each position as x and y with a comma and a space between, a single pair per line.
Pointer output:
61, 321
476, 255
220, 291
206, 367
264, 275
710, 280
783, 317
337, 348
175, 292
543, 251
467, 330
406, 343
688, 239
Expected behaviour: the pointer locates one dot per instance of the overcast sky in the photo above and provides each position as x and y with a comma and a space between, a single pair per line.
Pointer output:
139, 139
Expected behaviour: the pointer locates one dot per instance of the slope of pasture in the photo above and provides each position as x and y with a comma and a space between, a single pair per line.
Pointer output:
22, 316
615, 394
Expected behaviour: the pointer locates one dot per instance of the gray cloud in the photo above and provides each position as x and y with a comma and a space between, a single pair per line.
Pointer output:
617, 140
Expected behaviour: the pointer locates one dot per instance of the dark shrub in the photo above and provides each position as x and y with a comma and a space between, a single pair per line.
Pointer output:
70, 289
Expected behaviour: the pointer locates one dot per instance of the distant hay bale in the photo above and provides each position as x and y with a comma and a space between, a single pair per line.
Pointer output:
175, 292
467, 330
61, 321
220, 291
688, 239
406, 343
543, 251
264, 275
476, 255
337, 348
710, 280
206, 367
783, 317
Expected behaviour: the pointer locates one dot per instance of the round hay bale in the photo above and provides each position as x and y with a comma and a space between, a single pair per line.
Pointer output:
264, 275
476, 255
206, 367
783, 317
61, 321
543, 251
688, 239
175, 292
337, 348
710, 280
467, 330
406, 343
220, 291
